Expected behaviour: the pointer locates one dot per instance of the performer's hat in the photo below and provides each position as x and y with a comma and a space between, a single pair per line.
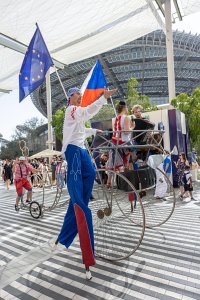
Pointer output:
22, 158
73, 90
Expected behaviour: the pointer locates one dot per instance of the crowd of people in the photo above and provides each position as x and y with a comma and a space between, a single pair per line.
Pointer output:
25, 174
132, 158
81, 172
126, 156
53, 173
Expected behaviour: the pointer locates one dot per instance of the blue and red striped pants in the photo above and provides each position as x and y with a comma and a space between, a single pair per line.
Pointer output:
80, 180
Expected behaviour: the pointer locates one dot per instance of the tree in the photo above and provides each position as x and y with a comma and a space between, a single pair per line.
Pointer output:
1, 135
190, 106
27, 130
133, 97
105, 113
12, 150
57, 122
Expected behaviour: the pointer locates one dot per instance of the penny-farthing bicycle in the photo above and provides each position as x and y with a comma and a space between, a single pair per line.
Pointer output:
122, 212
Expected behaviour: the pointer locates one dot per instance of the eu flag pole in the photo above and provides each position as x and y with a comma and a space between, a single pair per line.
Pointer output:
36, 63
49, 111
35, 68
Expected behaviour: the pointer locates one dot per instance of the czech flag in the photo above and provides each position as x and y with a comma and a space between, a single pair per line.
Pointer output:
93, 85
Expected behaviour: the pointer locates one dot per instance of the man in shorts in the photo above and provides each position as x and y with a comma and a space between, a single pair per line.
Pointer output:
21, 171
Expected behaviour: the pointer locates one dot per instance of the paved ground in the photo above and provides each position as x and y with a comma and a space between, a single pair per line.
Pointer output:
166, 266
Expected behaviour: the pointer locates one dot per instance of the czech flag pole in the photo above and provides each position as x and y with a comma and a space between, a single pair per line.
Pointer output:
94, 85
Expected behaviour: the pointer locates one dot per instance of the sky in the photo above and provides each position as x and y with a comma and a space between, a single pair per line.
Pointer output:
13, 113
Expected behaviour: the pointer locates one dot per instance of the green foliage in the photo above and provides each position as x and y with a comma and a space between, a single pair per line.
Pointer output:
88, 124
134, 98
105, 113
57, 122
11, 150
27, 130
190, 106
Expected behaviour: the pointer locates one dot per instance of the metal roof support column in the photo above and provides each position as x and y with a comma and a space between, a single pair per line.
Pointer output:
49, 110
15, 45
170, 52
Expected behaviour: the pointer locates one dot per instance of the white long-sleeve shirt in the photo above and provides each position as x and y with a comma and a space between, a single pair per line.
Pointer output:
74, 130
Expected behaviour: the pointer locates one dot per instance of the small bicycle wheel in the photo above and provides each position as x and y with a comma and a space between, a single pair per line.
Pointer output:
35, 209
118, 217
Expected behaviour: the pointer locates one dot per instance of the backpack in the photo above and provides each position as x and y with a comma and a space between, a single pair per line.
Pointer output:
184, 179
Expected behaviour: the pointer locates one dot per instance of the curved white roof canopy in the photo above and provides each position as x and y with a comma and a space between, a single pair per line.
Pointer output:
74, 30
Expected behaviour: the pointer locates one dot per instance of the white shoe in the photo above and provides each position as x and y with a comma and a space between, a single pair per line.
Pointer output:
54, 247
88, 275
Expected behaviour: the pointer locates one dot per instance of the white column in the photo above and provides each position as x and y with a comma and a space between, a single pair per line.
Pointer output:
49, 110
170, 51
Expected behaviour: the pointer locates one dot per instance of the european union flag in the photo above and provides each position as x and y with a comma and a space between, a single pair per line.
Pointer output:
35, 65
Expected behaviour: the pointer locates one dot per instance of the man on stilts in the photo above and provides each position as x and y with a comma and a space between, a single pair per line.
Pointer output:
80, 174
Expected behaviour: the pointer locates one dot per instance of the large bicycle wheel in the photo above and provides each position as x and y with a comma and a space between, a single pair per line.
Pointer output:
118, 217
35, 209
158, 201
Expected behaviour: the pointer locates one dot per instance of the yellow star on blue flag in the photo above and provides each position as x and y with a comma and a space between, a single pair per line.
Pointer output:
35, 65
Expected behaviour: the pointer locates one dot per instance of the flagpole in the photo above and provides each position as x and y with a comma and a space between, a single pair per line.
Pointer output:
113, 106
49, 110
60, 82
